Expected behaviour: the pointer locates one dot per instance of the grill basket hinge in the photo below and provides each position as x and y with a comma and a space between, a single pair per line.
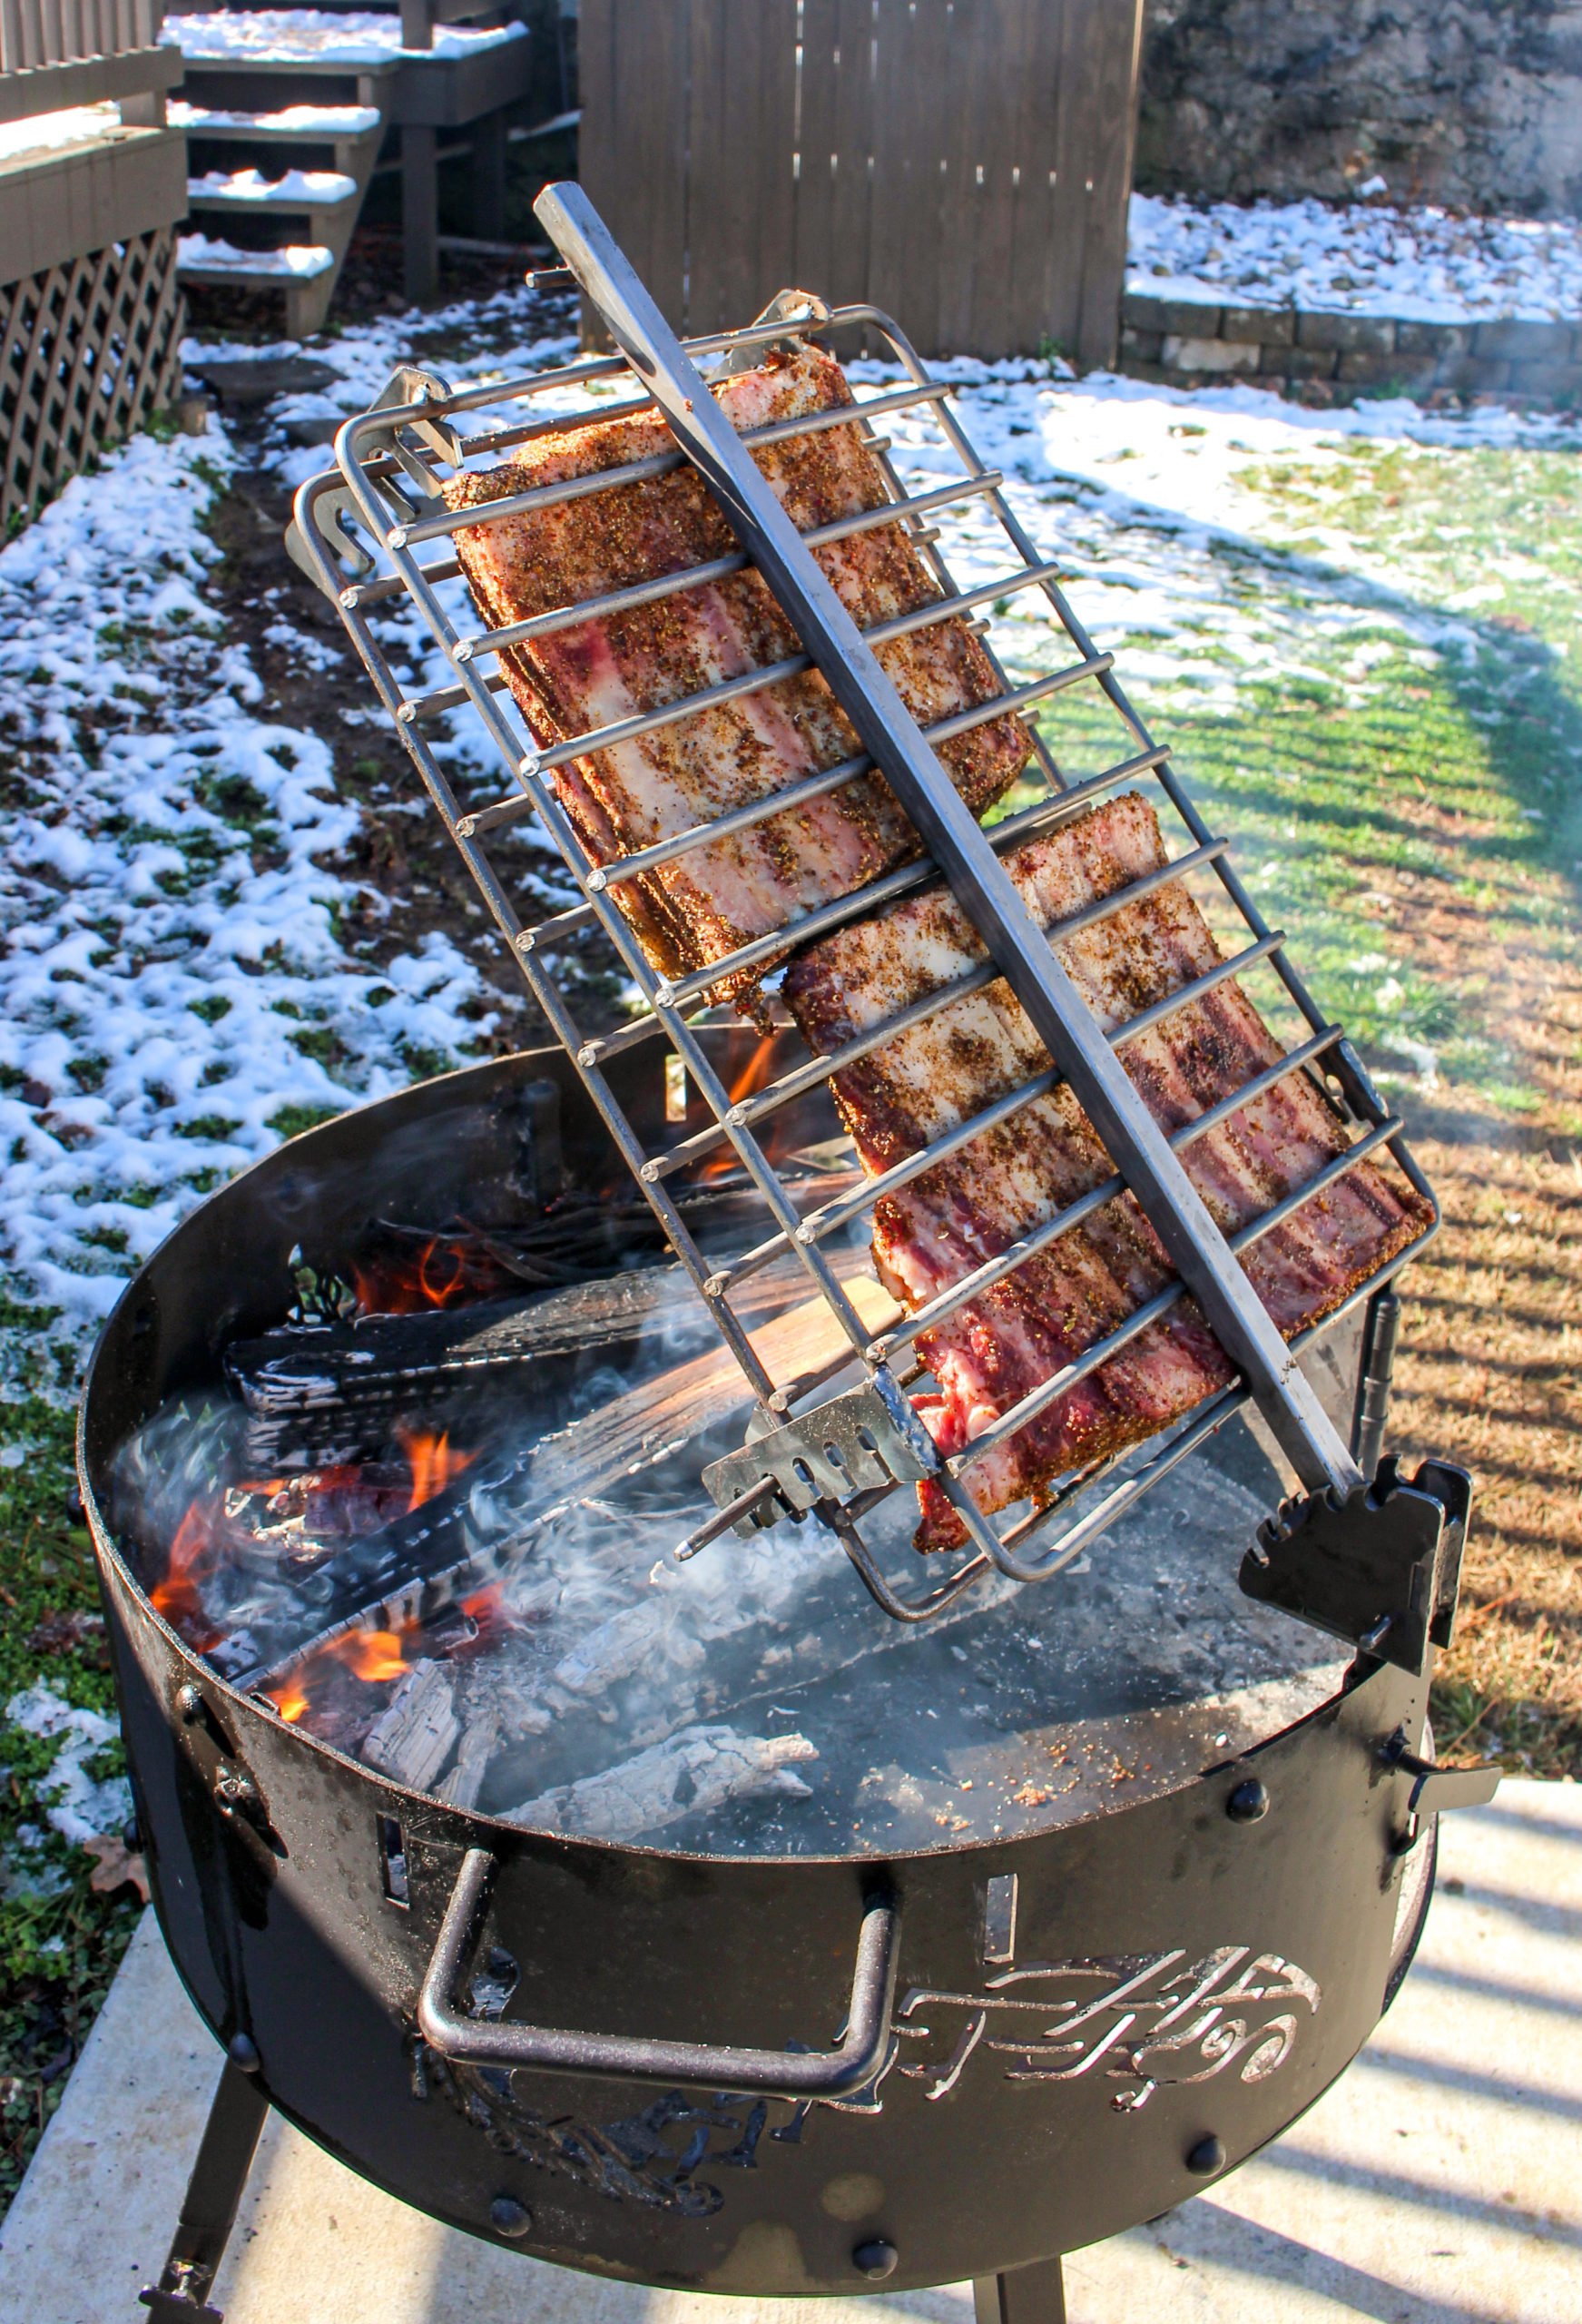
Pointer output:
848, 1444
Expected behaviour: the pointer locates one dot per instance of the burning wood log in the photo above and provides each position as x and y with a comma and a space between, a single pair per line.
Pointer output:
690, 1774
336, 1394
413, 1738
486, 1524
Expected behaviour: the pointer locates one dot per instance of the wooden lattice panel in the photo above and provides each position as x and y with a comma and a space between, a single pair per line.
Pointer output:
87, 350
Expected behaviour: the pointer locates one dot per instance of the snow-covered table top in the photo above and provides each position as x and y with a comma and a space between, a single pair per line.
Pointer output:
314, 36
1418, 265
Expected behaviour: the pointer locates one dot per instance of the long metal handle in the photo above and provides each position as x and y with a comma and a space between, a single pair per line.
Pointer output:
1064, 1023
789, 2073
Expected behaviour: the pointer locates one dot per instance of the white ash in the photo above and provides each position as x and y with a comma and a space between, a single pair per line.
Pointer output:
415, 1736
691, 1774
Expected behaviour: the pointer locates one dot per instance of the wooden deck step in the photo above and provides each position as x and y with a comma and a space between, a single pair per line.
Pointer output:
304, 124
249, 193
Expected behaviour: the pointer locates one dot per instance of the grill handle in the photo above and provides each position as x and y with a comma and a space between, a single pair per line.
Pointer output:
788, 2073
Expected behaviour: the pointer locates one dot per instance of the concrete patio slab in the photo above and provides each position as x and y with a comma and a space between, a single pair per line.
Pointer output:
1440, 2182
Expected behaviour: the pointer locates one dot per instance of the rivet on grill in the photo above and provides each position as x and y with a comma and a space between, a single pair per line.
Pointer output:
508, 2217
596, 882
465, 826
396, 537
351, 599
242, 2051
1248, 1803
527, 765
406, 714
663, 996
1208, 2156
875, 2260
189, 1702
464, 649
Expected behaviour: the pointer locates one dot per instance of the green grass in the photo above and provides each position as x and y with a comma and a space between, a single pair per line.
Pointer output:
60, 1942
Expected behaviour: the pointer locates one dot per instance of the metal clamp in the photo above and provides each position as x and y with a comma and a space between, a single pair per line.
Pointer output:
848, 1443
788, 2073
1381, 1567
1436, 1789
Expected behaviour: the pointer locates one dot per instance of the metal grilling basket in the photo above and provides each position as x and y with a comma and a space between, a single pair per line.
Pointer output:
813, 1444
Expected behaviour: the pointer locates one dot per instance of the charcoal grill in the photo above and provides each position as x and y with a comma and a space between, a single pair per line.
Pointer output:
755, 2073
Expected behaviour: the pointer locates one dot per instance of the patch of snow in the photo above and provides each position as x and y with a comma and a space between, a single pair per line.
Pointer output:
291, 121
169, 958
80, 1806
294, 185
296, 259
1423, 264
52, 132
318, 36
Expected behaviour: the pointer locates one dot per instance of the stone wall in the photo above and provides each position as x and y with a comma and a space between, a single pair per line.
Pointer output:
1187, 344
1476, 103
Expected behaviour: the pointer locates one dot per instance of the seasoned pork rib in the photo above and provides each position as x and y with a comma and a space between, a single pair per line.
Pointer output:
698, 909
1008, 1181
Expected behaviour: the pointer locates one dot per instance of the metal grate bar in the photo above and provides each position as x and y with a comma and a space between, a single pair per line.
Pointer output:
883, 722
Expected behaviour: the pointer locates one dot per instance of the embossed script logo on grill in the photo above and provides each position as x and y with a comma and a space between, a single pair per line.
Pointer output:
1158, 2019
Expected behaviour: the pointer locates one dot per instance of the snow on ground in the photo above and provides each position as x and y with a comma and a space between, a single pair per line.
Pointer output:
170, 976
318, 36
1422, 265
81, 1806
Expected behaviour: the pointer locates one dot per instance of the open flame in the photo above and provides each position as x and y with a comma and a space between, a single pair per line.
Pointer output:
433, 1464
179, 1596
755, 1072
376, 1657
439, 1274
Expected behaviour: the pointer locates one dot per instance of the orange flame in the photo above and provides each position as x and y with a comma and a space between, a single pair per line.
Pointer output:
291, 1702
755, 1072
374, 1656
178, 1597
433, 1464
438, 1275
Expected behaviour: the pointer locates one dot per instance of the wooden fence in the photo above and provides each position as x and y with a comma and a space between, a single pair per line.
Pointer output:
34, 33
963, 164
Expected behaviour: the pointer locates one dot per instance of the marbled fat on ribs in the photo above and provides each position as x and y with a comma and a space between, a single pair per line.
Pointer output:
1008, 1181
698, 907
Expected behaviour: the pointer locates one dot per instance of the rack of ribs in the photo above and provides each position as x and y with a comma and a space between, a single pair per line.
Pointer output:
702, 906
1008, 1180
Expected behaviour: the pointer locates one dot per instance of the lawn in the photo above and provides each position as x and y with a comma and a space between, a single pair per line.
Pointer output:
227, 915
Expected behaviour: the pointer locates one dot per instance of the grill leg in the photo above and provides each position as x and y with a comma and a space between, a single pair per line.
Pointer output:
213, 2194
1035, 2295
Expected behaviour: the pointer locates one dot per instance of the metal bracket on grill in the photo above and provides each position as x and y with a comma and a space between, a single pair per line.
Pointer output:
1381, 1568
336, 512
335, 515
848, 1443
